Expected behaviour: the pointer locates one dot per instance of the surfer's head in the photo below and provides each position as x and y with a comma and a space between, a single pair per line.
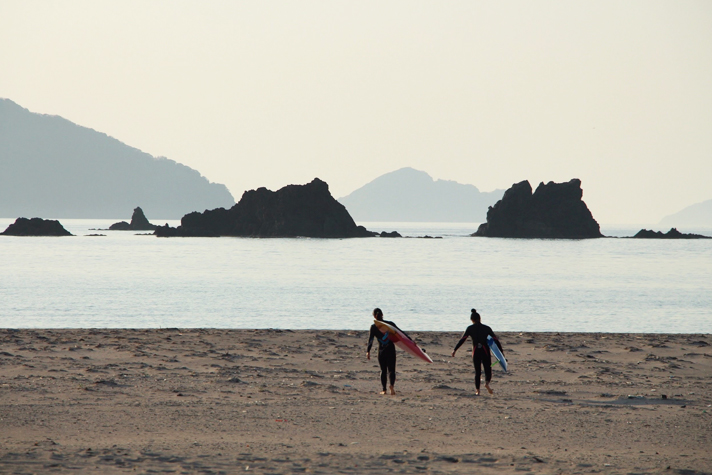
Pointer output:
474, 316
377, 314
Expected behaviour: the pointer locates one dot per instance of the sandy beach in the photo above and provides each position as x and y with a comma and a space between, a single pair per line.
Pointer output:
270, 401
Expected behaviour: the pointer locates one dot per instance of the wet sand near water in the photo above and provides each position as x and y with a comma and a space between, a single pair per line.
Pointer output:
270, 401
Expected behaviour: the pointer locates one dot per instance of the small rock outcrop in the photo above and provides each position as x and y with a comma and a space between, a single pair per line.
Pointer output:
120, 226
295, 210
392, 234
672, 234
139, 222
553, 211
36, 227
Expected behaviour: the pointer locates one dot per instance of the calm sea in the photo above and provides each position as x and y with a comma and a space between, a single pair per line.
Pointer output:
139, 281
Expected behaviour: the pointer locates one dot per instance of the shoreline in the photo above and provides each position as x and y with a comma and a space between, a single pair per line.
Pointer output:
294, 401
307, 330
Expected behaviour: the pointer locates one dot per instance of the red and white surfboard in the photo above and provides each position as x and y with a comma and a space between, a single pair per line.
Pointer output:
402, 341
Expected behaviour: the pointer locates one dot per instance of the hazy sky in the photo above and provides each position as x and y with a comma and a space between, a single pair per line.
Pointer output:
268, 93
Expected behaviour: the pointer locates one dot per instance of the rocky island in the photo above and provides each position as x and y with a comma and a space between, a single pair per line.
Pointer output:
36, 227
295, 210
139, 222
553, 211
672, 234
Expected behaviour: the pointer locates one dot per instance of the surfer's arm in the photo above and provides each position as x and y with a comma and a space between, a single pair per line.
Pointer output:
459, 343
370, 339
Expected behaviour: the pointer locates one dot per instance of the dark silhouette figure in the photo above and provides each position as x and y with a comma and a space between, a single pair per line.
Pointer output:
386, 351
480, 349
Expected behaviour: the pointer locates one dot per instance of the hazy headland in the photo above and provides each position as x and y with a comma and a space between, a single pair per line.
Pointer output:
53, 168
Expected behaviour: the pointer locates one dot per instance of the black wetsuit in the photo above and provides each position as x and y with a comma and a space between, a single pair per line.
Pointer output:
480, 350
386, 353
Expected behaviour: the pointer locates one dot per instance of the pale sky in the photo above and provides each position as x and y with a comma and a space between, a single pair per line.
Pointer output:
268, 93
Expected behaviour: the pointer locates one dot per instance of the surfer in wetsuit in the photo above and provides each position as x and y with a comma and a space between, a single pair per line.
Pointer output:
386, 351
480, 350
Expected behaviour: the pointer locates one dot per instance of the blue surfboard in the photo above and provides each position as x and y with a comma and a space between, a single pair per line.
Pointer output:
496, 353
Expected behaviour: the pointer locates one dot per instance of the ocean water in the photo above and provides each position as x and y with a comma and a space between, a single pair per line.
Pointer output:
128, 280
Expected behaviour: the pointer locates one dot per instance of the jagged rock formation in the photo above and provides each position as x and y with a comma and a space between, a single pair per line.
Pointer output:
553, 211
412, 195
36, 227
295, 210
672, 234
53, 167
139, 222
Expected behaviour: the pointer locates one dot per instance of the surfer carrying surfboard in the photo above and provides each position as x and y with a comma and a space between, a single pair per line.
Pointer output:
480, 349
386, 349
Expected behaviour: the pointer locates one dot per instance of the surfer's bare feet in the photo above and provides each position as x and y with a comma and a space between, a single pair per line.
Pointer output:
489, 389
393, 391
382, 392
477, 392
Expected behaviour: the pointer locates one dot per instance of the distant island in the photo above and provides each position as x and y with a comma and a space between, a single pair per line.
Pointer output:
412, 195
36, 227
697, 215
293, 211
53, 167
553, 211
672, 234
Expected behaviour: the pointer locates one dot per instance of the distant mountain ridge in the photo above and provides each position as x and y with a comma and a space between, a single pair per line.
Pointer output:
53, 168
697, 215
412, 195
